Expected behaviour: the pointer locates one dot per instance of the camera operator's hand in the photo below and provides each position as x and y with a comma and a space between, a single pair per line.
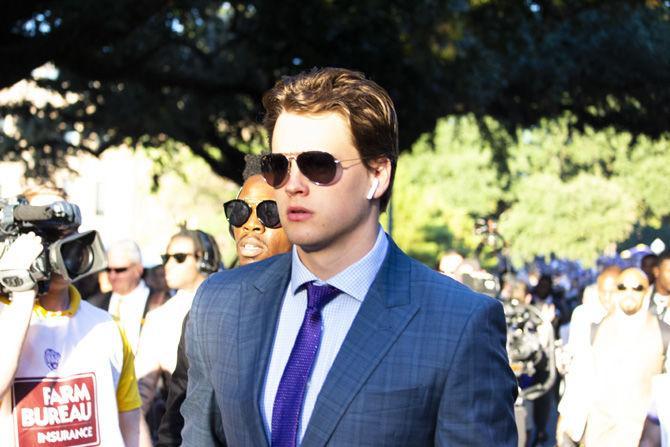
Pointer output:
16, 261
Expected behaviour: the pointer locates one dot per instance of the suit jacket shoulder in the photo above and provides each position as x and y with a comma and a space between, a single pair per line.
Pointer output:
228, 336
222, 289
431, 289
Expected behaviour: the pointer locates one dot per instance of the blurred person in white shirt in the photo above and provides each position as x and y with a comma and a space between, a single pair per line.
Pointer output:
611, 384
191, 255
130, 298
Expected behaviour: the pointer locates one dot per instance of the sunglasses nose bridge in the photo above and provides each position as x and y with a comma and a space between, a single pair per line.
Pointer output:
253, 222
296, 181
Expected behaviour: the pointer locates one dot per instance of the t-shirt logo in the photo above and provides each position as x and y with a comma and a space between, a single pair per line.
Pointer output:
56, 412
51, 358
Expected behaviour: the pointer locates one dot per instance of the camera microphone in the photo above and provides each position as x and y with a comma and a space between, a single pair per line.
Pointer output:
33, 213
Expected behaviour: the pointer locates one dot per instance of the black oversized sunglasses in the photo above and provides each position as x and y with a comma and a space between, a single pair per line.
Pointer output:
637, 288
179, 257
238, 212
321, 168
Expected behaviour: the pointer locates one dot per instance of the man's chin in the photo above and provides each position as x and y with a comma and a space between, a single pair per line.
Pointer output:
306, 241
58, 284
630, 310
244, 260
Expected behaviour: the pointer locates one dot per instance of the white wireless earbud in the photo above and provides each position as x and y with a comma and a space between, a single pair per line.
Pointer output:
373, 189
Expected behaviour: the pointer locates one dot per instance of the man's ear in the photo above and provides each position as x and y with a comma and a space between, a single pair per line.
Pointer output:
380, 176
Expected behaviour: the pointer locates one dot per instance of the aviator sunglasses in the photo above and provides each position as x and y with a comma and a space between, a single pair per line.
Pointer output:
179, 257
320, 168
238, 212
637, 288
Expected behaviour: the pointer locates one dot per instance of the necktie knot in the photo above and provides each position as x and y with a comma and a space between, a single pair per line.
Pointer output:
319, 296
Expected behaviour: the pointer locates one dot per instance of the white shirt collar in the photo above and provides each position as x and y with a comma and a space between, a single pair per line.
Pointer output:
355, 280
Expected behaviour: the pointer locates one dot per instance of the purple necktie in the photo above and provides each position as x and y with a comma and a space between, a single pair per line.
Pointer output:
291, 392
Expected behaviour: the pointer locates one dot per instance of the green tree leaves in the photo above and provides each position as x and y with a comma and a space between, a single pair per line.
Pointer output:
568, 193
575, 219
194, 71
446, 181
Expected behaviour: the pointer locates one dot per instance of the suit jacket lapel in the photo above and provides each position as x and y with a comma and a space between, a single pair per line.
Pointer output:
385, 312
260, 304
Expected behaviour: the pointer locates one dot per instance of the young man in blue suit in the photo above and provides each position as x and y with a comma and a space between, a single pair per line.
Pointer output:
345, 341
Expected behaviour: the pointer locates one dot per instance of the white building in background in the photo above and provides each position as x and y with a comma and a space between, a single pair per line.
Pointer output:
115, 198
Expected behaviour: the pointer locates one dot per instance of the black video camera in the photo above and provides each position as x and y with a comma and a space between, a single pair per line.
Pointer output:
66, 252
530, 350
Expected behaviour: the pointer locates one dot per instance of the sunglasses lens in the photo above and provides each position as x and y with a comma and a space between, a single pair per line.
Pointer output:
319, 167
268, 213
621, 287
237, 212
274, 168
179, 257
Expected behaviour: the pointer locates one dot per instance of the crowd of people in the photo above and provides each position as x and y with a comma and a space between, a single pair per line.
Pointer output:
325, 332
608, 329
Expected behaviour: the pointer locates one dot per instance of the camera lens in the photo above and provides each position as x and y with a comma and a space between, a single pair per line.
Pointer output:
78, 257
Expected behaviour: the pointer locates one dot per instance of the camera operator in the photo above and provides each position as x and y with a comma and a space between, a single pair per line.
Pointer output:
67, 375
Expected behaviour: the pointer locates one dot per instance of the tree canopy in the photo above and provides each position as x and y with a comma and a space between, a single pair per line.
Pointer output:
146, 72
571, 194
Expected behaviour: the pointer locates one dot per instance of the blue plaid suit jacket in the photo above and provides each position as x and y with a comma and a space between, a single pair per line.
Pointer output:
424, 362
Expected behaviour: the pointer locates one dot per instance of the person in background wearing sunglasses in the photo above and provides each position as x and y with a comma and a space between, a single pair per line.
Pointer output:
254, 222
598, 302
255, 226
627, 349
130, 299
345, 340
191, 256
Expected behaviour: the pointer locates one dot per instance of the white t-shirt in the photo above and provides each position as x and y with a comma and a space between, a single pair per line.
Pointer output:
159, 341
75, 374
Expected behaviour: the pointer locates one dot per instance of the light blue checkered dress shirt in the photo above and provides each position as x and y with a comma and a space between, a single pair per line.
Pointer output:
337, 317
